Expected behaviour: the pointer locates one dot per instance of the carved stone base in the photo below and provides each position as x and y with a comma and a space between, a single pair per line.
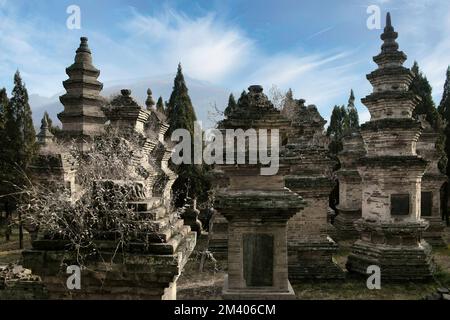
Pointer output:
218, 236
435, 233
313, 260
256, 293
344, 224
130, 276
397, 248
396, 263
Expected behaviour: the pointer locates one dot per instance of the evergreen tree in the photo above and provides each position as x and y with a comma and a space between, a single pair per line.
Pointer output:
353, 119
180, 112
20, 144
3, 103
444, 111
231, 105
422, 88
191, 181
444, 106
160, 105
3, 138
339, 122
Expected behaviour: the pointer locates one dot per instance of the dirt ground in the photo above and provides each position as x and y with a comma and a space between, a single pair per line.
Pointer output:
195, 284
207, 284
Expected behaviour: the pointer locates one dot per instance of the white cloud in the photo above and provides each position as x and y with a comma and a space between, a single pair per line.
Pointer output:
207, 48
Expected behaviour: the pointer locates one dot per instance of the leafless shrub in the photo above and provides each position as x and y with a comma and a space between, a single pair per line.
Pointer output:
107, 182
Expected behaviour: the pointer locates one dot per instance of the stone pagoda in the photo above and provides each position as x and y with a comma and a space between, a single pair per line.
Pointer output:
44, 137
432, 182
349, 207
391, 226
52, 164
257, 208
310, 176
82, 117
149, 264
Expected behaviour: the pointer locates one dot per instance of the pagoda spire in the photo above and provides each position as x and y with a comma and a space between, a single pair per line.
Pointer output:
82, 117
150, 103
389, 36
44, 137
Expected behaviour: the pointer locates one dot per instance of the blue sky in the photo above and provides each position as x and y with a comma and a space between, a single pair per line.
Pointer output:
321, 49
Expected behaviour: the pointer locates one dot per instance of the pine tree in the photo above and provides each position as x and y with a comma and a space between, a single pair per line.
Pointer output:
353, 118
180, 112
160, 106
444, 106
422, 88
20, 144
444, 111
231, 105
191, 181
4, 168
339, 122
3, 138
3, 103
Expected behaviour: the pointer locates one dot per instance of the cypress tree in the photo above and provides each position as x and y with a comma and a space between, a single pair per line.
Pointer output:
444, 111
422, 88
191, 181
353, 119
3, 103
160, 105
231, 105
20, 143
339, 122
4, 168
180, 112
3, 138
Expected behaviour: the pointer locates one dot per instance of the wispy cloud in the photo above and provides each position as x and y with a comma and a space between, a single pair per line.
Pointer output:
208, 48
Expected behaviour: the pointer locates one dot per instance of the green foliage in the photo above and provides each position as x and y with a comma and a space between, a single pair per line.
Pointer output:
180, 113
19, 146
336, 129
422, 88
353, 118
343, 119
3, 139
231, 105
444, 111
160, 105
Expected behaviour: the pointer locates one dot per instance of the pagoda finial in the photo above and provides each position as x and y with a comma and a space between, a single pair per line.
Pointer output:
44, 122
84, 45
44, 137
388, 20
149, 102
389, 35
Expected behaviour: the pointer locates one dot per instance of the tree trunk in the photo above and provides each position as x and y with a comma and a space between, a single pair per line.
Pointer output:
20, 232
8, 221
